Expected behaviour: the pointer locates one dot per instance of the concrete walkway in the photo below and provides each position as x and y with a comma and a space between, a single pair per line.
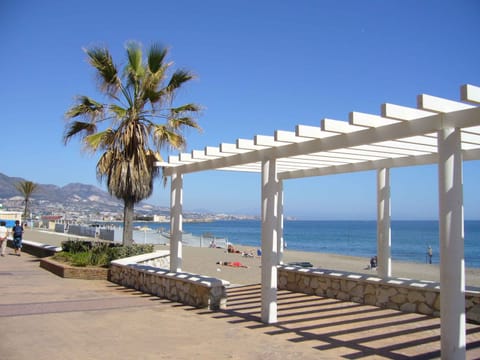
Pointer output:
43, 316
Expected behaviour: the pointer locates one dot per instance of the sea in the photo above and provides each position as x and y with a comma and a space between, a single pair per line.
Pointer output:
410, 239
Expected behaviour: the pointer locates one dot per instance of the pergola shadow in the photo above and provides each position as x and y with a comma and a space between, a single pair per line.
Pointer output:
343, 329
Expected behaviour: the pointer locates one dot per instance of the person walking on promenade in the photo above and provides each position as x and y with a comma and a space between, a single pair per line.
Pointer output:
17, 232
3, 237
429, 253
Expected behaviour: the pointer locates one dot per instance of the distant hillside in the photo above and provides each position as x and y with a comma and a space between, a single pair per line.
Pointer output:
73, 196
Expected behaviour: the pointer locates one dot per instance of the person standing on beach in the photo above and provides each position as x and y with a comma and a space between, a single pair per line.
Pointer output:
17, 232
3, 237
430, 253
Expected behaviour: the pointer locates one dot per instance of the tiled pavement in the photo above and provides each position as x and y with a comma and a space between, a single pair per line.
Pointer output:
43, 316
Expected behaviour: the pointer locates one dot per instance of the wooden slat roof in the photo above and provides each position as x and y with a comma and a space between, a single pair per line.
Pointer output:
400, 136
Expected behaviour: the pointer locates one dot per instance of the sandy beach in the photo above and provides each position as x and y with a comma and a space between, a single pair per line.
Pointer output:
204, 261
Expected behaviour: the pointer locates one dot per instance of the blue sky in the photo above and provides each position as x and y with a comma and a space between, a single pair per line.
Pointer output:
261, 66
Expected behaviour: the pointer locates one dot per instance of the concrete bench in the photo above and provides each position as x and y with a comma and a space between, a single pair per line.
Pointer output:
190, 289
407, 295
36, 248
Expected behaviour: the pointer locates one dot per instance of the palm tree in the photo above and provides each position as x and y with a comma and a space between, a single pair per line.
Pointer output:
26, 188
132, 136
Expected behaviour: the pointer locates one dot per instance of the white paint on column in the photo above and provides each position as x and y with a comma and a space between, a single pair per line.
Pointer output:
176, 222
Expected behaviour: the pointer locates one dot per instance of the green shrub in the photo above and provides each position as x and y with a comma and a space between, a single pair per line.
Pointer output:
120, 252
81, 259
88, 253
76, 246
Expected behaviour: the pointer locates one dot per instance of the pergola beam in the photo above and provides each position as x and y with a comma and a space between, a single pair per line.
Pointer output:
462, 118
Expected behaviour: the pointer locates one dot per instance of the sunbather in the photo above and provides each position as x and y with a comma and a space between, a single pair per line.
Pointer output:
231, 249
232, 263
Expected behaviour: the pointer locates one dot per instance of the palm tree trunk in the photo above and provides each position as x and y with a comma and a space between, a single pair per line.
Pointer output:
25, 210
128, 222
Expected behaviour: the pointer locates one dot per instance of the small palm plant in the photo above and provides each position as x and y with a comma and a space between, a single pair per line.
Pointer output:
138, 122
26, 188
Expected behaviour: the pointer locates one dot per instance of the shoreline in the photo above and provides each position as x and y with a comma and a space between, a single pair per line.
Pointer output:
203, 261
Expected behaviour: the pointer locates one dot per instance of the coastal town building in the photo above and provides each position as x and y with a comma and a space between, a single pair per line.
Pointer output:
10, 216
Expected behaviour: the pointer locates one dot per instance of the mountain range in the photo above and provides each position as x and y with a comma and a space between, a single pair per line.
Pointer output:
74, 196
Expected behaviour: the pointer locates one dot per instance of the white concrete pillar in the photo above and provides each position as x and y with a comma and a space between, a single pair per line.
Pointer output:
280, 240
269, 241
452, 266
176, 222
384, 234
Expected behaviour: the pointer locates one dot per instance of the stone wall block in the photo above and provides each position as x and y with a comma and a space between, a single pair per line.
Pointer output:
370, 299
383, 297
430, 298
358, 299
370, 289
416, 297
357, 290
408, 307
423, 308
343, 295
335, 285
291, 277
331, 293
320, 292
392, 305
474, 313
399, 299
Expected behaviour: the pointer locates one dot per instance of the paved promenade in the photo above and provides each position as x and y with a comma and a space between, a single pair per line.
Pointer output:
43, 316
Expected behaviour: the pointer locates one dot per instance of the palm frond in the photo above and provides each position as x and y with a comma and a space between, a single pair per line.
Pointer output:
77, 128
118, 111
102, 61
163, 136
26, 188
86, 107
153, 96
178, 78
134, 71
185, 108
156, 55
102, 139
186, 121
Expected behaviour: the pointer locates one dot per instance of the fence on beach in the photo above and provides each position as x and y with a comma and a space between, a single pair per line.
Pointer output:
141, 235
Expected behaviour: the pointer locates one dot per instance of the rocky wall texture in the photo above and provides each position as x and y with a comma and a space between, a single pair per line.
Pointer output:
190, 289
406, 295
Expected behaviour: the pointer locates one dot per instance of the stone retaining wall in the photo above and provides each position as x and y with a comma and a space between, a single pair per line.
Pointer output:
138, 273
395, 293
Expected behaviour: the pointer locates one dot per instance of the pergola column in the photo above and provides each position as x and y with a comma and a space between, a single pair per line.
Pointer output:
384, 241
280, 240
176, 222
452, 266
269, 241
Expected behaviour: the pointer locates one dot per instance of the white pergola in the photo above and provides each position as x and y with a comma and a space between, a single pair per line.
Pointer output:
438, 131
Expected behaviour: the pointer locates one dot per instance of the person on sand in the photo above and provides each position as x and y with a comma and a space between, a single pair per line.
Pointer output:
231, 249
430, 253
232, 264
251, 253
17, 232
3, 237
